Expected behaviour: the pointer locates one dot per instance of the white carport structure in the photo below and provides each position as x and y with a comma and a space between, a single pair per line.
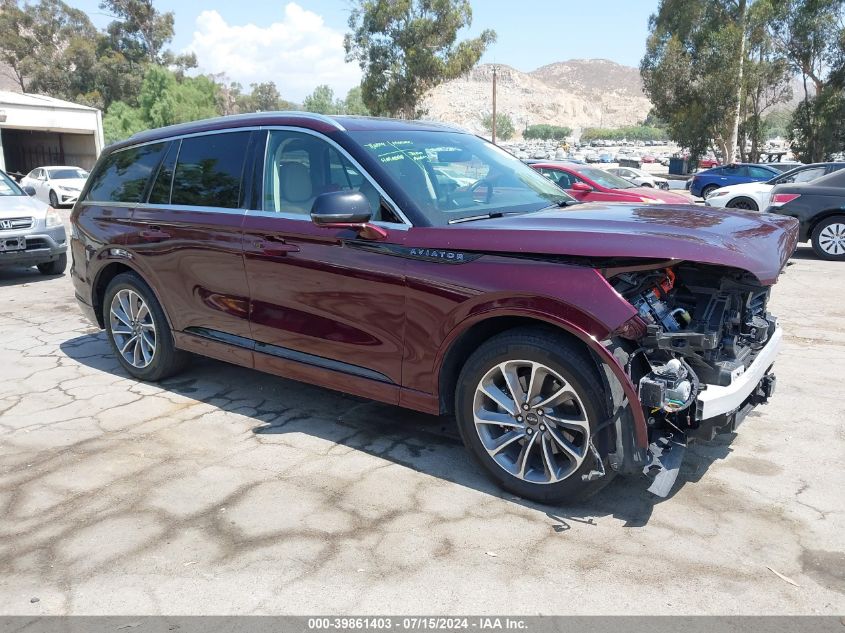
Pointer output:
36, 130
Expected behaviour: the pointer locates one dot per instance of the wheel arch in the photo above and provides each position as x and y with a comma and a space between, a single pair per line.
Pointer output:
817, 219
474, 332
109, 271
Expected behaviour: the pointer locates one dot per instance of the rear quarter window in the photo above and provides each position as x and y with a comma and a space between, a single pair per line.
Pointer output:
209, 170
125, 174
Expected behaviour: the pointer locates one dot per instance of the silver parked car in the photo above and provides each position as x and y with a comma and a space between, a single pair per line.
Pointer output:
57, 185
640, 177
31, 233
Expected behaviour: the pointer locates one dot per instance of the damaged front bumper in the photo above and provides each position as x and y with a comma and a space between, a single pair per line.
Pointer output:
718, 409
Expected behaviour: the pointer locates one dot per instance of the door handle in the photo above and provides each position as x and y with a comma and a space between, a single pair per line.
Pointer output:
154, 234
273, 245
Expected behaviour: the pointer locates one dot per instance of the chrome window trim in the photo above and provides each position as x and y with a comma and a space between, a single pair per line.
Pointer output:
165, 139
164, 207
406, 223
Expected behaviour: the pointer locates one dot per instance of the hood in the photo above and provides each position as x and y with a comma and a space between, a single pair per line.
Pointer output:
667, 197
759, 243
70, 183
18, 206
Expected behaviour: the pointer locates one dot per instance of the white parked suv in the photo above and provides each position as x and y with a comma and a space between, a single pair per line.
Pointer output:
756, 196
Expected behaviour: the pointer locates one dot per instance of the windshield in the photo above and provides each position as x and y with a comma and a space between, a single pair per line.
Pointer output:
450, 175
605, 179
9, 187
66, 174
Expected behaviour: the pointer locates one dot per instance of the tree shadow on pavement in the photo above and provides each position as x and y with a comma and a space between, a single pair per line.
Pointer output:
425, 443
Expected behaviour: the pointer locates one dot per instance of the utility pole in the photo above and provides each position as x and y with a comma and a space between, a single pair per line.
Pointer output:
494, 104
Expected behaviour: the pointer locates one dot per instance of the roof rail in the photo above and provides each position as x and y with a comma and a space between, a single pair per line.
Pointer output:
313, 115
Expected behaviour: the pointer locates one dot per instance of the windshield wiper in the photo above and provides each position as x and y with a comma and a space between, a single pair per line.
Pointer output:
565, 203
470, 218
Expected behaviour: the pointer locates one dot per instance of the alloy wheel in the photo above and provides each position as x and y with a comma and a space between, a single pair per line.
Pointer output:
832, 239
133, 328
531, 421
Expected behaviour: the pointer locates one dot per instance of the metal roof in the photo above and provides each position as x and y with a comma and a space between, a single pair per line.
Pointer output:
8, 98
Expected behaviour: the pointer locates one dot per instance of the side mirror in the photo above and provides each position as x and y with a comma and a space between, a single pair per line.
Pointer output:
29, 190
581, 186
346, 210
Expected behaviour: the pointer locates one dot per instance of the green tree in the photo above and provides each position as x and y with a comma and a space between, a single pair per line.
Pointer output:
122, 121
693, 70
140, 32
165, 99
812, 34
265, 97
407, 47
546, 132
47, 45
505, 128
321, 101
354, 103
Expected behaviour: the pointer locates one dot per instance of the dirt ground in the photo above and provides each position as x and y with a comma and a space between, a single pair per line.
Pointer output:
226, 491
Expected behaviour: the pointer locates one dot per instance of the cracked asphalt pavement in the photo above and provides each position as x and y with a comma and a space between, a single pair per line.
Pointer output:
227, 491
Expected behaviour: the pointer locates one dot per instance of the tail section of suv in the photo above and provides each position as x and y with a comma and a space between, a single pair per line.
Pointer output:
421, 266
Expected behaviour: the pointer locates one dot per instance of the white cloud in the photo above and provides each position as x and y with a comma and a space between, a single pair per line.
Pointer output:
298, 53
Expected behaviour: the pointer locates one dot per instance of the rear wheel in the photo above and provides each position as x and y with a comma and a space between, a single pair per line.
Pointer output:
55, 267
743, 203
828, 238
138, 330
708, 190
527, 404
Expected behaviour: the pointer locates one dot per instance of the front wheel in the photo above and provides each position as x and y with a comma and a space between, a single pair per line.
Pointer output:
54, 199
55, 267
138, 330
828, 238
527, 404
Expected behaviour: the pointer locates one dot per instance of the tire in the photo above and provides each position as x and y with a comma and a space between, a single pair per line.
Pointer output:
152, 357
648, 184
55, 267
54, 199
746, 204
568, 366
708, 190
828, 238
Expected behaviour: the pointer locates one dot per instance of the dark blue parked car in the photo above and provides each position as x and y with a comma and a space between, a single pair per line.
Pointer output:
707, 181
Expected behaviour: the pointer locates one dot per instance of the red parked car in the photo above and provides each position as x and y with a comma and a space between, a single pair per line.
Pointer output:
419, 265
591, 184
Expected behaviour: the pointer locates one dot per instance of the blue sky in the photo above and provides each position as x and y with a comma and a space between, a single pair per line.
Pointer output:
298, 44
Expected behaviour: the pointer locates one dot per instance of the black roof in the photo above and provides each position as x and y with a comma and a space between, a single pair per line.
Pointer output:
308, 120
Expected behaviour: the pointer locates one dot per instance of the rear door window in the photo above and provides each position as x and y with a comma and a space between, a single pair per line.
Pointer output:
160, 191
209, 170
125, 174
759, 172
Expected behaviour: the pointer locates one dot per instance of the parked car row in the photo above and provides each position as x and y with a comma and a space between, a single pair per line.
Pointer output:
591, 184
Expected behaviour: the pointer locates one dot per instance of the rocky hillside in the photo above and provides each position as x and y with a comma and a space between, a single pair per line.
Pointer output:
577, 93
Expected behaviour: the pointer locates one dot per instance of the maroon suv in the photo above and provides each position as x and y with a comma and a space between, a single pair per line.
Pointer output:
419, 265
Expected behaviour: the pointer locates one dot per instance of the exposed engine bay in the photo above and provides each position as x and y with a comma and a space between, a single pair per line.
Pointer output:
697, 327
700, 325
